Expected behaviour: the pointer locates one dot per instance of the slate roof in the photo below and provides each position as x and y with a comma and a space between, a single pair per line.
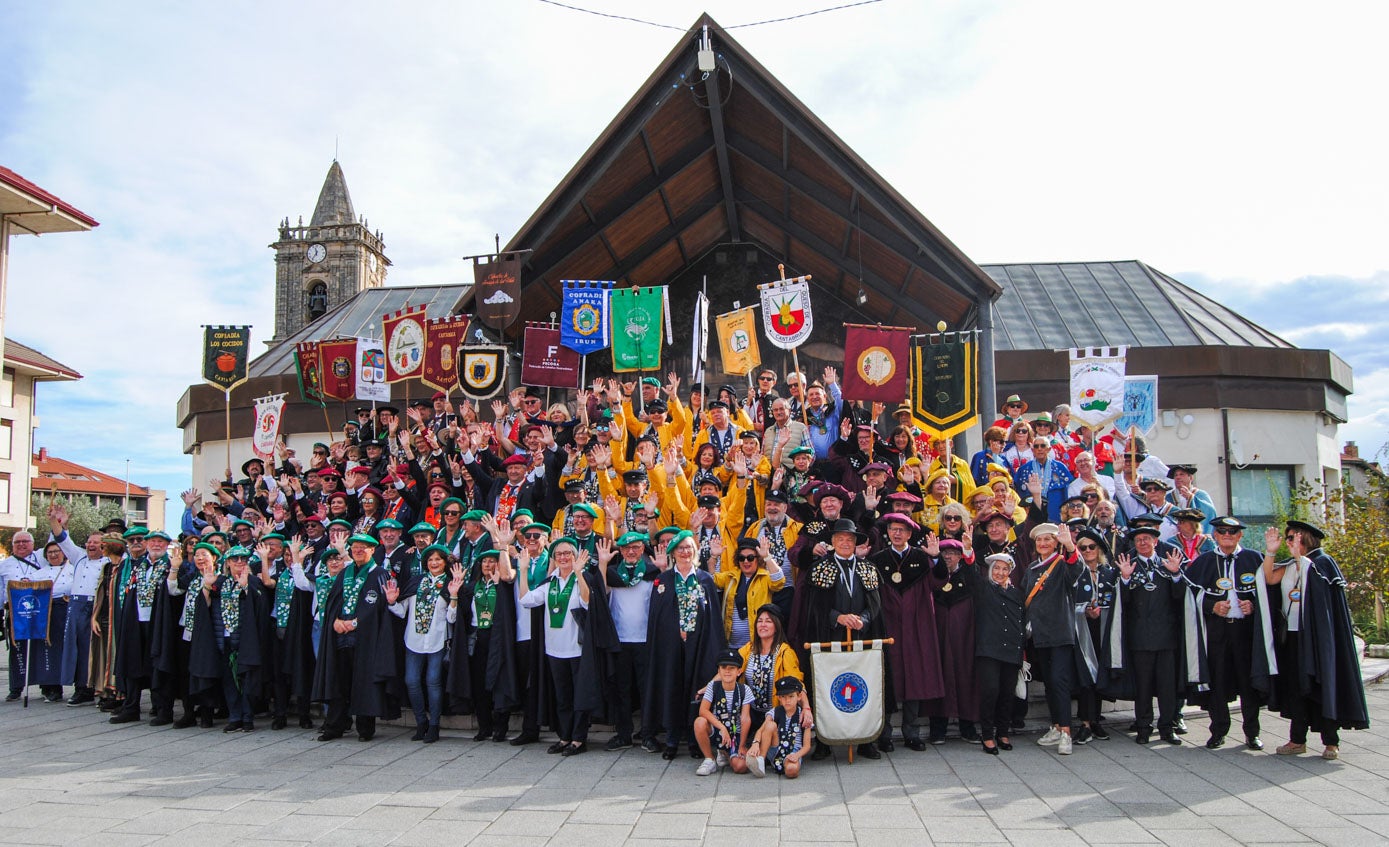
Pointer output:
334, 203
1092, 304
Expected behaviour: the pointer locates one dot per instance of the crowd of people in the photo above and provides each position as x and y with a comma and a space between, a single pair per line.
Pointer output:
657, 563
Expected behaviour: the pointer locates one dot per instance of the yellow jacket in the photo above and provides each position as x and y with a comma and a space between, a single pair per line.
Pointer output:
760, 591
784, 664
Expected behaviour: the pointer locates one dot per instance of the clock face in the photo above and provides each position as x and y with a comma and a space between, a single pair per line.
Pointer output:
317, 252
371, 261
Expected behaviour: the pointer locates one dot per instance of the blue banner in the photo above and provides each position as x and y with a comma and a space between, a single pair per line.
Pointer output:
29, 608
1140, 404
584, 315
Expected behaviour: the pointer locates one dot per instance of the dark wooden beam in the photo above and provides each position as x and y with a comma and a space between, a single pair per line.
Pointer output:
650, 153
622, 267
715, 97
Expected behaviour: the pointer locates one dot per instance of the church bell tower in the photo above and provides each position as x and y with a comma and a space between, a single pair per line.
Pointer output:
323, 265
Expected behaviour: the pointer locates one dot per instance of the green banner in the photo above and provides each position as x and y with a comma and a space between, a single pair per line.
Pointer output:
226, 350
637, 316
945, 387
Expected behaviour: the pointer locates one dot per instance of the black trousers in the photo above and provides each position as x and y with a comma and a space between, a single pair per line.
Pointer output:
1056, 666
1304, 713
1155, 672
529, 669
997, 683
487, 718
339, 716
633, 664
134, 687
573, 723
1230, 661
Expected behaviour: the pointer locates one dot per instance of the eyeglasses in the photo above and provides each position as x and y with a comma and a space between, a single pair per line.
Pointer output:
1225, 530
951, 518
1087, 546
1092, 496
766, 379
747, 558
1290, 537
452, 513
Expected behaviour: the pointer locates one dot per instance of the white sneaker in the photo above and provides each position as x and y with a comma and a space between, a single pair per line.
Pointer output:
707, 768
758, 766
721, 759
1064, 745
1052, 736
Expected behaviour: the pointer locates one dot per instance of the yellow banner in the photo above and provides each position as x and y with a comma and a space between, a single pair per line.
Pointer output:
738, 341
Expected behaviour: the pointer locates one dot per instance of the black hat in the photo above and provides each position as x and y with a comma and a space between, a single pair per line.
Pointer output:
421, 404
252, 461
1189, 515
1315, 531
574, 485
708, 501
1145, 519
1075, 498
378, 443
772, 609
1154, 481
392, 409
656, 406
634, 475
1098, 537
847, 525
360, 409
776, 495
1144, 530
789, 685
534, 393
746, 543
1227, 522
717, 404
728, 656
1172, 470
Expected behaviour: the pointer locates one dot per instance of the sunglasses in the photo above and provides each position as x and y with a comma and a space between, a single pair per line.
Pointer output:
1087, 546
747, 558
1092, 496
1225, 530
452, 513
1290, 537
951, 518
766, 379
320, 452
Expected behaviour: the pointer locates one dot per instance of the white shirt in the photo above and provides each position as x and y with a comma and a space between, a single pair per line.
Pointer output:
1078, 485
630, 606
26, 569
432, 641
561, 643
86, 573
1295, 578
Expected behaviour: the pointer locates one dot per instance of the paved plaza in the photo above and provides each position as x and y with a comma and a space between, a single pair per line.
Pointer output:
68, 777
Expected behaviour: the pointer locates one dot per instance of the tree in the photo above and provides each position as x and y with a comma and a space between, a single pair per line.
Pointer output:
83, 517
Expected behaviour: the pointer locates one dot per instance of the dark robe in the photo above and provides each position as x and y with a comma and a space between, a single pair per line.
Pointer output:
297, 645
205, 660
954, 613
1246, 635
680, 668
909, 612
170, 668
376, 674
596, 688
134, 638
826, 589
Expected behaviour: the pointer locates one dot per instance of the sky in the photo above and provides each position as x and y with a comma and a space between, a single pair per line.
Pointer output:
1236, 146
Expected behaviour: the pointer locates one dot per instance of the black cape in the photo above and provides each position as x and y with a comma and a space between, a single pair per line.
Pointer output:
205, 661
1328, 669
596, 687
680, 669
375, 673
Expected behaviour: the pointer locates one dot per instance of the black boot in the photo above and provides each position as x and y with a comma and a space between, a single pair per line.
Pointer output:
431, 735
421, 728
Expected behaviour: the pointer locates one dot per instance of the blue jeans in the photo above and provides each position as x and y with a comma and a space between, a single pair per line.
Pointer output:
316, 635
77, 641
430, 668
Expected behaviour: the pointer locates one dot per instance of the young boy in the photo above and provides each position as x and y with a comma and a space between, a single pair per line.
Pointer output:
724, 713
782, 735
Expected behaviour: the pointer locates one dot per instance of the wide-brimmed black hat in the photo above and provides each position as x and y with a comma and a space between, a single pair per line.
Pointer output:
847, 525
1314, 530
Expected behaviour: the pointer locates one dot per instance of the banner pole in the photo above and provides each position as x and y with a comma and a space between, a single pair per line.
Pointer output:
328, 425
796, 363
28, 660
228, 409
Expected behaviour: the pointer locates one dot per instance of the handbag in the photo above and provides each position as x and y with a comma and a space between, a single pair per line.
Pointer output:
1024, 677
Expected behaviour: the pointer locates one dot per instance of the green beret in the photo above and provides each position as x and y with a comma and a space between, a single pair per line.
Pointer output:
586, 508
390, 523
238, 552
273, 536
523, 512
141, 532
454, 501
203, 545
672, 530
801, 451
221, 535
537, 527
564, 539
675, 542
363, 538
331, 551
631, 538
347, 525
424, 527
474, 515
435, 548
235, 524
652, 381
158, 533
320, 444
489, 554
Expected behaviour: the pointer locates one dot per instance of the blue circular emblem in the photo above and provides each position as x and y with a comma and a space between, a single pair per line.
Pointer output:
1247, 579
849, 692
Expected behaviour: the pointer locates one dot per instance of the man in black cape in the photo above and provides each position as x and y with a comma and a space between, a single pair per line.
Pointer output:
169, 653
357, 670
133, 663
217, 659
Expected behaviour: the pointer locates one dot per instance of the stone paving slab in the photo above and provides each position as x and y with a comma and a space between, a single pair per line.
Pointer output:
68, 777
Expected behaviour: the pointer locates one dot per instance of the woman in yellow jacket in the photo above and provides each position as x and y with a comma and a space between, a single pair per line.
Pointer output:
748, 585
767, 658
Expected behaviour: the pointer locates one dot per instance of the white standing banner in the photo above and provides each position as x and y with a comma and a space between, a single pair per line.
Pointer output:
786, 316
1097, 385
699, 348
849, 707
371, 371
268, 413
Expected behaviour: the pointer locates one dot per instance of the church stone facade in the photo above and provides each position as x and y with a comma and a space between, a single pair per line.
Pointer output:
328, 262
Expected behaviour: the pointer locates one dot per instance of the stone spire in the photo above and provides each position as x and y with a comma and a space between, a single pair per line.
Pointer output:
334, 203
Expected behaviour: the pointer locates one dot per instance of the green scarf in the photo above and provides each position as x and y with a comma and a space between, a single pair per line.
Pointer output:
426, 594
147, 580
559, 599
230, 591
631, 574
284, 592
352, 582
485, 603
190, 603
540, 569
322, 584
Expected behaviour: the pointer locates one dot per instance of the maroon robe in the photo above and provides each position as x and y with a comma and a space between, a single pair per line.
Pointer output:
914, 666
955, 630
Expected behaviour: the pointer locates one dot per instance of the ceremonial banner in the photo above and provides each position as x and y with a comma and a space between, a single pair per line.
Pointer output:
269, 411
371, 371
308, 367
225, 353
584, 315
637, 316
336, 365
1140, 404
875, 362
443, 338
404, 332
699, 345
786, 315
848, 692
482, 371
30, 604
545, 362
498, 292
1097, 385
738, 341
944, 383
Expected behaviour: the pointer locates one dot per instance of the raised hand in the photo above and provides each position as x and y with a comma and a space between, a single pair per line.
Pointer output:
456, 580
1126, 565
1063, 535
498, 409
846, 427
1272, 539
1173, 562
606, 551
932, 544
392, 591
871, 497
829, 377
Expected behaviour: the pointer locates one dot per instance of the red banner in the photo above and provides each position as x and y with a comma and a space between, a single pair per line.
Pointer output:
442, 339
545, 362
876, 362
339, 375
497, 297
310, 372
404, 342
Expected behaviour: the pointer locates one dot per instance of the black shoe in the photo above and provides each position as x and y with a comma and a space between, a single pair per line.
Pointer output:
1179, 726
1133, 727
972, 738
107, 704
306, 722
651, 745
279, 722
1098, 730
50, 697
329, 735
432, 734
1254, 743
1143, 736
575, 749
234, 726
205, 721
1003, 745
869, 751
992, 751
365, 737
821, 751
248, 727
1019, 723
616, 743
915, 744
1082, 735
12, 696
695, 753
524, 738
1171, 737
186, 721
124, 717
499, 736
1215, 742
162, 720
935, 740
482, 735
80, 699
420, 730
557, 747
886, 745
670, 754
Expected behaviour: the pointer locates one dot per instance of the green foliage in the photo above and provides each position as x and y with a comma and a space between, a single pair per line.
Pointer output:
83, 517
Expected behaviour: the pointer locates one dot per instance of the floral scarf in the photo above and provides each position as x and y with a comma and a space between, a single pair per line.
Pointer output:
230, 599
352, 582
284, 592
148, 576
429, 590
190, 603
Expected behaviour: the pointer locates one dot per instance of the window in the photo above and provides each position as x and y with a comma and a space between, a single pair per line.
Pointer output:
4, 492
318, 300
7, 388
1258, 494
6, 440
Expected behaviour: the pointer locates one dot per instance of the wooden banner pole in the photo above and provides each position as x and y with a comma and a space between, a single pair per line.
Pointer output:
228, 409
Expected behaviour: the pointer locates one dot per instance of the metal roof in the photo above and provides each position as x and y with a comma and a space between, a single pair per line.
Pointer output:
1097, 304
360, 316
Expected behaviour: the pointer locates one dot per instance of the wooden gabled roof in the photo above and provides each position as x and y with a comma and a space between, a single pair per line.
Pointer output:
692, 162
